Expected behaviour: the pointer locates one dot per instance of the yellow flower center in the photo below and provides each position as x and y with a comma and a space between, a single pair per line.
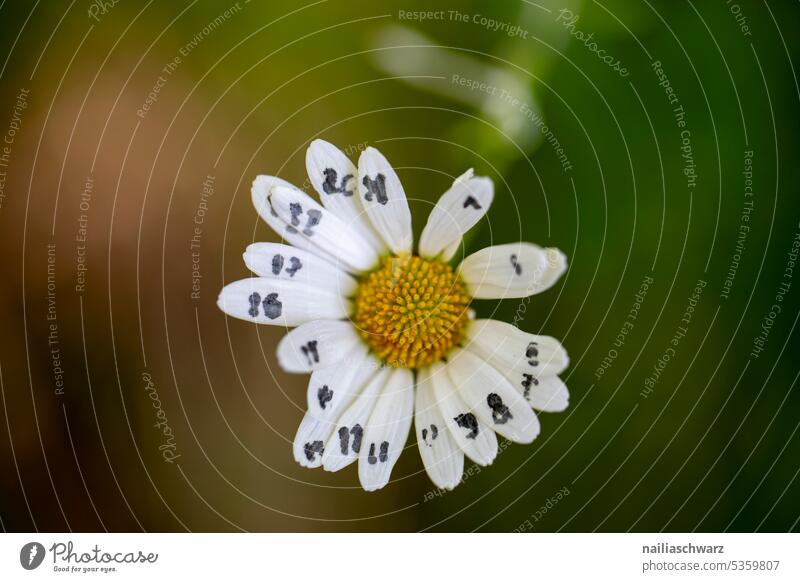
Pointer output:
411, 311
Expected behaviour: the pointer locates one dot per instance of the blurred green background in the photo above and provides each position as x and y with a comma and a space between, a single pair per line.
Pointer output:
112, 140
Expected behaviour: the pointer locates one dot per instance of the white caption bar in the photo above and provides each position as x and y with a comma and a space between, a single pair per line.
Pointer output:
348, 557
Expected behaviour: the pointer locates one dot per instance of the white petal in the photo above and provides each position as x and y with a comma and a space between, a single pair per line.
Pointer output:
343, 380
262, 186
548, 394
335, 178
323, 229
330, 391
451, 250
508, 348
476, 439
384, 200
316, 345
458, 210
309, 441
347, 439
280, 302
282, 261
492, 397
512, 270
387, 430
443, 459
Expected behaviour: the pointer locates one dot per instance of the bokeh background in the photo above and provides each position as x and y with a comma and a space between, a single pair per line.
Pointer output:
113, 149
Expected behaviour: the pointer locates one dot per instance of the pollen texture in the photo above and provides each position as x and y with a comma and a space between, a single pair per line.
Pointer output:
411, 311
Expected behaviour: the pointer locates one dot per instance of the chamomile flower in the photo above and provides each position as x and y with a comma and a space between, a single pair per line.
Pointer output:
387, 333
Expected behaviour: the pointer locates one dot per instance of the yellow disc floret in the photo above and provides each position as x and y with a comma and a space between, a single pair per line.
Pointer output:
411, 311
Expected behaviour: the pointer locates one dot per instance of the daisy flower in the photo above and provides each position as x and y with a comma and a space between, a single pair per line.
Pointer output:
387, 333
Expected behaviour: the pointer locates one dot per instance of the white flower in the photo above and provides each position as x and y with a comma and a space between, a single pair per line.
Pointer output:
386, 333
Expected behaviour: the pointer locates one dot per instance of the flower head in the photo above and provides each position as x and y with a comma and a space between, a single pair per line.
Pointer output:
387, 334
411, 311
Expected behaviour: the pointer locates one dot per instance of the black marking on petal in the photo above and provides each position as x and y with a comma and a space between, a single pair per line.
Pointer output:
472, 201
295, 265
296, 210
434, 432
324, 395
313, 448
358, 434
371, 458
277, 264
314, 217
255, 300
528, 380
344, 439
310, 352
272, 307
500, 412
329, 185
467, 420
384, 454
376, 188
516, 265
532, 352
